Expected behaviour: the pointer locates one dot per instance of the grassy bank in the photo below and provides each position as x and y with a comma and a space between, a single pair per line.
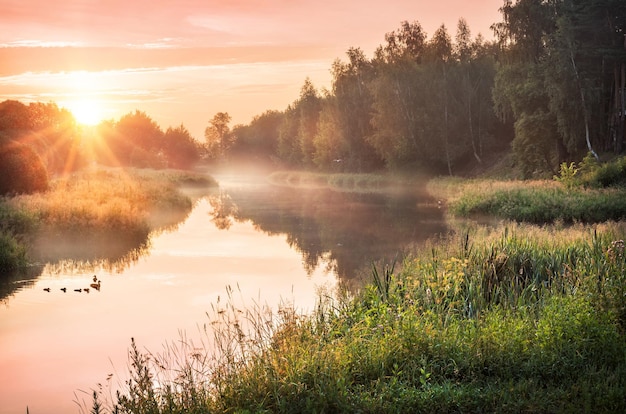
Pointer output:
515, 319
93, 203
585, 193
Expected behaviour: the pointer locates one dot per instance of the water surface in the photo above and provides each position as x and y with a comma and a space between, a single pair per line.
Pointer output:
271, 244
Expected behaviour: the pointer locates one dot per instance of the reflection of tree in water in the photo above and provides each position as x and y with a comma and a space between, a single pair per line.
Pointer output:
345, 230
224, 210
13, 281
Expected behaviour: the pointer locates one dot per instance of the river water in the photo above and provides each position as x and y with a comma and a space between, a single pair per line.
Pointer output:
271, 245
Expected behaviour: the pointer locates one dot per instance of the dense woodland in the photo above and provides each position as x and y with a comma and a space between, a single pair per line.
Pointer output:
550, 87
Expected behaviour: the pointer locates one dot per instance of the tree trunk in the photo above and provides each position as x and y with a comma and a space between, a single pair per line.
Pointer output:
584, 105
617, 118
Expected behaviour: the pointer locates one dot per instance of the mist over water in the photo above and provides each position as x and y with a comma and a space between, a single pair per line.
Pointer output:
272, 244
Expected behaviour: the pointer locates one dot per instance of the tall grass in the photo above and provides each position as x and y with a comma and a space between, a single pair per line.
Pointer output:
94, 204
536, 202
105, 200
522, 319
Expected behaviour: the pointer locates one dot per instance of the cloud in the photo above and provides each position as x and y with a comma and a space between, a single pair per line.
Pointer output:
205, 23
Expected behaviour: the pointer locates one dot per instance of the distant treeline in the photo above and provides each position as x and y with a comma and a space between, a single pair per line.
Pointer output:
551, 85
40, 140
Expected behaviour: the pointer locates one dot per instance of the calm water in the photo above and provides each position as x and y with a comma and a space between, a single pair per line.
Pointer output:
276, 244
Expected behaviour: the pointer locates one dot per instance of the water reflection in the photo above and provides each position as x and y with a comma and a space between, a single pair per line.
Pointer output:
345, 230
275, 244
342, 231
55, 253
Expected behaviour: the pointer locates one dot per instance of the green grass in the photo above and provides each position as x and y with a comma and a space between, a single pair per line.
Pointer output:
516, 319
536, 202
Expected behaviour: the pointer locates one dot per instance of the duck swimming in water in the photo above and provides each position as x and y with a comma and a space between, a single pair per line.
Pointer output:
95, 285
78, 290
46, 289
64, 289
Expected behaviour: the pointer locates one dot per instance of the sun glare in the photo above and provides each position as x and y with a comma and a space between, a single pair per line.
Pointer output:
86, 111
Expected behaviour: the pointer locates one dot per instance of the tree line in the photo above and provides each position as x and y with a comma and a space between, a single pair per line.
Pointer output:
40, 140
551, 86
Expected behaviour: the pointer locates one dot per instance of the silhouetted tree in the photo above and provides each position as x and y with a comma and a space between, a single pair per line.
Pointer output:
180, 149
137, 141
217, 136
21, 170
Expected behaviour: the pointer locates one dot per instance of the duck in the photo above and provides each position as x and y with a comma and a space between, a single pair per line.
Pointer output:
95, 278
95, 285
78, 290
86, 290
46, 289
64, 289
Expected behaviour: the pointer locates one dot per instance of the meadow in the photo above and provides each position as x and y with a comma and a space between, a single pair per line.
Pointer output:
511, 317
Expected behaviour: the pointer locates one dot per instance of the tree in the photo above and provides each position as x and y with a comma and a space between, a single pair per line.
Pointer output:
49, 130
21, 170
308, 107
180, 149
574, 50
353, 101
259, 138
137, 141
288, 145
440, 51
330, 145
217, 136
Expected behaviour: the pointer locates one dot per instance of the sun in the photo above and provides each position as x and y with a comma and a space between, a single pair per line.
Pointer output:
86, 111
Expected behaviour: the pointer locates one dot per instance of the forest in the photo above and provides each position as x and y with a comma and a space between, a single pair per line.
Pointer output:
548, 89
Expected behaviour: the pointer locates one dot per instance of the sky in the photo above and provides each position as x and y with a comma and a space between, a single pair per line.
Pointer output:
183, 61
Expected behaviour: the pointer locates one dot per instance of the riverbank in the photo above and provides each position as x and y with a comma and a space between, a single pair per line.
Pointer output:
511, 317
128, 203
516, 319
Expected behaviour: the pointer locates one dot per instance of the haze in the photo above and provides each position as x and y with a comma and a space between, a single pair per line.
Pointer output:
184, 61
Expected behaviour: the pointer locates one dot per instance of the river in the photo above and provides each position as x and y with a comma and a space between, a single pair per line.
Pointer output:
271, 245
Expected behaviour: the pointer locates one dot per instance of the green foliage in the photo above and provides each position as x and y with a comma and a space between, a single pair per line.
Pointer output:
12, 253
609, 174
544, 204
14, 225
567, 174
180, 149
432, 338
21, 170
554, 57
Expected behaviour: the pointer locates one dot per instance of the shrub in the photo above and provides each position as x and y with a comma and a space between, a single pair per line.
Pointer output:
12, 253
21, 170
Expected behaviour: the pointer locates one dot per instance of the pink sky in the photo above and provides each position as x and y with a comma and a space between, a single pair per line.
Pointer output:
183, 61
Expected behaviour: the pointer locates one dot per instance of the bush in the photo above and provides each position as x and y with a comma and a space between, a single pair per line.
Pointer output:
21, 170
12, 253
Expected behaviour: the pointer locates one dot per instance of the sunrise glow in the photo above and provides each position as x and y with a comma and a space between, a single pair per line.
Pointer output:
86, 111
